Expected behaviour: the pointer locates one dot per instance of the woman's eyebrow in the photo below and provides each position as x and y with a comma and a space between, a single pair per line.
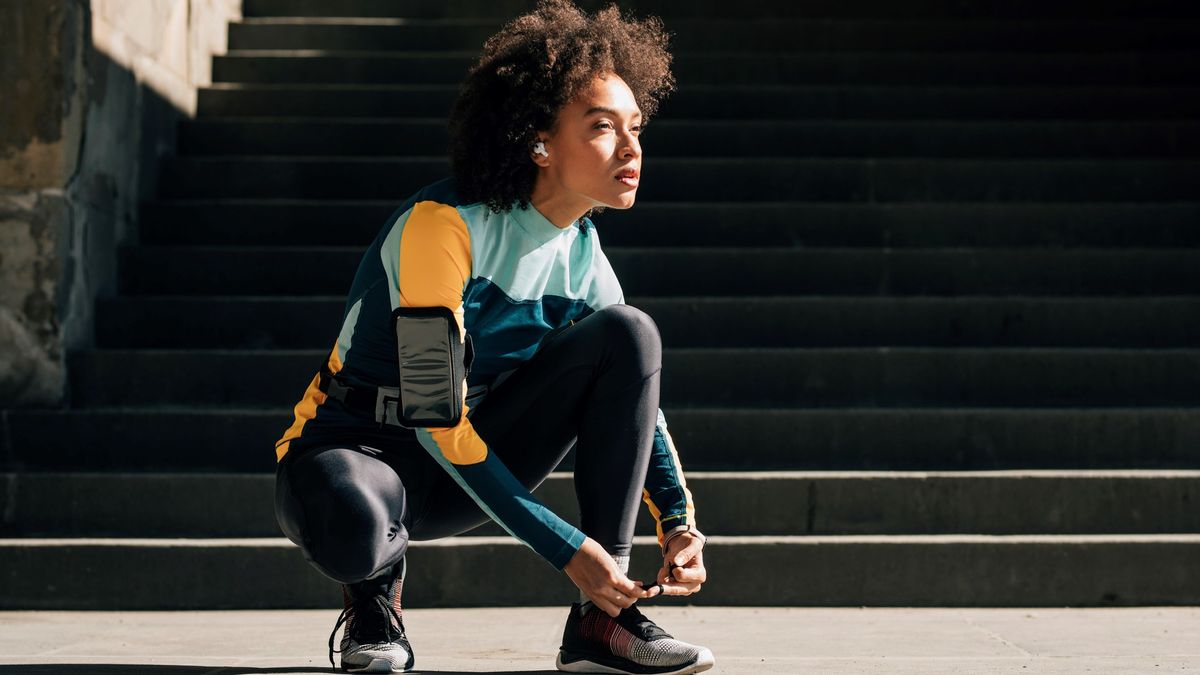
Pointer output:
610, 111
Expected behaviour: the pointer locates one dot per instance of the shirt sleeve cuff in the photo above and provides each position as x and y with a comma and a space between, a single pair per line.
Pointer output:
563, 556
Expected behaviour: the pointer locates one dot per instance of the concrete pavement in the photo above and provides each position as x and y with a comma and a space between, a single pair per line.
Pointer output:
744, 640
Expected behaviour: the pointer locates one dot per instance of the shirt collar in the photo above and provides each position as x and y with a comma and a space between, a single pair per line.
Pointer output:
538, 226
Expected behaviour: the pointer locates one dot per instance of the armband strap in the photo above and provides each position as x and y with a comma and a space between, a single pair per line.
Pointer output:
435, 339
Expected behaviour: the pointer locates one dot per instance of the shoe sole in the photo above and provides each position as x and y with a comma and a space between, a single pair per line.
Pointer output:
376, 666
703, 662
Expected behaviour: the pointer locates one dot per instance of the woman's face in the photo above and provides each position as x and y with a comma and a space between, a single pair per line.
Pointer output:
595, 158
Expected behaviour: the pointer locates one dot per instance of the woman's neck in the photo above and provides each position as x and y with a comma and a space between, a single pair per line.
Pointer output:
558, 206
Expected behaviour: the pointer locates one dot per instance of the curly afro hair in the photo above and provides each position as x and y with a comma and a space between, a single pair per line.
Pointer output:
535, 65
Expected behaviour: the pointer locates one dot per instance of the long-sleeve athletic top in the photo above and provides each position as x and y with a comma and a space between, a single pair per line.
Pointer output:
509, 278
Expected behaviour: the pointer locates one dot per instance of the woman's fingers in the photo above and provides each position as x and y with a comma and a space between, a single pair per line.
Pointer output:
606, 597
597, 575
612, 600
689, 574
611, 590
689, 552
628, 586
617, 594
682, 580
644, 591
683, 571
680, 589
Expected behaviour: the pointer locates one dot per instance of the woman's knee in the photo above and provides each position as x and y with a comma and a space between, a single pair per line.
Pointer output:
633, 330
349, 556
356, 538
353, 515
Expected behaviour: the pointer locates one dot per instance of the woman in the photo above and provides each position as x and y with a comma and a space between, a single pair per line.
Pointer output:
484, 336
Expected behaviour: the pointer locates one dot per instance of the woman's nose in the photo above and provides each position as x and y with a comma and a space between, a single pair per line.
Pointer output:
631, 148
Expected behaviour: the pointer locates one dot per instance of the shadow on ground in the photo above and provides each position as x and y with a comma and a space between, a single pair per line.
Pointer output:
166, 669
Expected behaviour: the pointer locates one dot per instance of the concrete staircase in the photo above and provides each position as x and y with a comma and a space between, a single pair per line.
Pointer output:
928, 277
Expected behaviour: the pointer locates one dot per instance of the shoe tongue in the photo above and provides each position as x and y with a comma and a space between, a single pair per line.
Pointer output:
635, 622
373, 622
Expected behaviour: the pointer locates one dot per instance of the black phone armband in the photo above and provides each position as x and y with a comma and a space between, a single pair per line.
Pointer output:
433, 366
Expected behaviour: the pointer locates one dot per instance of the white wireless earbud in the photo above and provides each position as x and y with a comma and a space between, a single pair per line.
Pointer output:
540, 148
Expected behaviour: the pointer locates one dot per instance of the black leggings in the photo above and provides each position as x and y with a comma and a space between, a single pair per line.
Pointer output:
353, 508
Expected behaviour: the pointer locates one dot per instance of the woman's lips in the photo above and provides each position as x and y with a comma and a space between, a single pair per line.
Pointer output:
628, 180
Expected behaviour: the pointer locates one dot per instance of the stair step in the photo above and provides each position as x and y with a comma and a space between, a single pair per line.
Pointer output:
250, 222
287, 322
960, 235
731, 101
195, 270
714, 378
761, 138
711, 9
243, 439
938, 570
715, 66
729, 179
737, 32
729, 503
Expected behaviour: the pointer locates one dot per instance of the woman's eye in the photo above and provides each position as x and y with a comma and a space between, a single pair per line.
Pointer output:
606, 125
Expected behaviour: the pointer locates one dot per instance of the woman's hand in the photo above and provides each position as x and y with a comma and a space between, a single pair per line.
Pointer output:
683, 572
596, 574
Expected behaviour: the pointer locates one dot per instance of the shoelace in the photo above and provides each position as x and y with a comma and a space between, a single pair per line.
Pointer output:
640, 625
390, 634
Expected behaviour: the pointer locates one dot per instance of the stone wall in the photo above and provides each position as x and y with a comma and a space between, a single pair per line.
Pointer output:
91, 92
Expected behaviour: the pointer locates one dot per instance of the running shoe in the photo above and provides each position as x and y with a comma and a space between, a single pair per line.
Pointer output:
594, 642
373, 640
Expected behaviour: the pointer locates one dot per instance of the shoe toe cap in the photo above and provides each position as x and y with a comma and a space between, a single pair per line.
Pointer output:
381, 658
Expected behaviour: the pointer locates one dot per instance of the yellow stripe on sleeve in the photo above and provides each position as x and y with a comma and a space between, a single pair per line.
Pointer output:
687, 494
306, 409
435, 263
